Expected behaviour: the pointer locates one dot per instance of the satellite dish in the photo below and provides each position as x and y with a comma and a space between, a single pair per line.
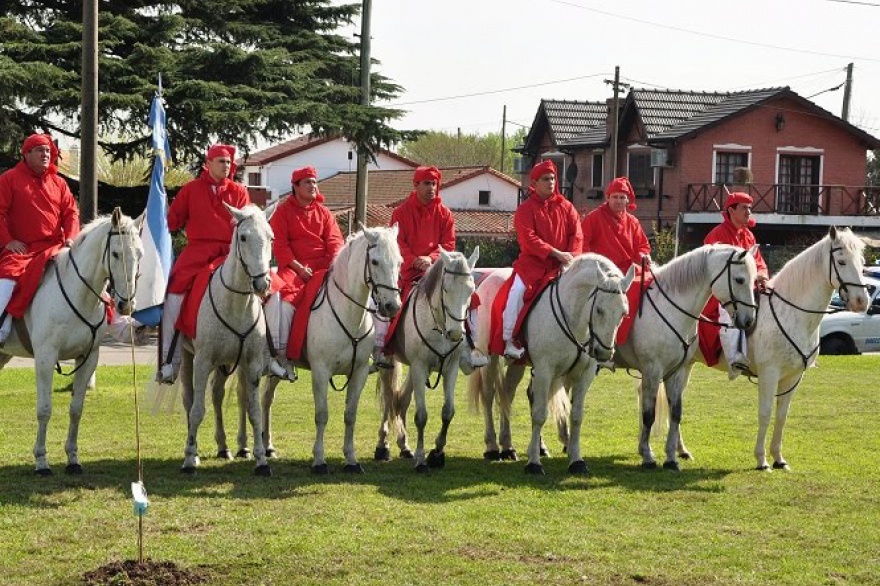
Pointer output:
571, 172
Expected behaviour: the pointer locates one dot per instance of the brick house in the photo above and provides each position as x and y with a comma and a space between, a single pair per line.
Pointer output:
804, 166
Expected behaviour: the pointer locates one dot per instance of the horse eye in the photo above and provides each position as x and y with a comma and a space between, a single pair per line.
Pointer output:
374, 262
841, 263
243, 238
600, 311
739, 280
116, 255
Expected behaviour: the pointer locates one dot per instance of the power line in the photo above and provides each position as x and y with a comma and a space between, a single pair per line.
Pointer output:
713, 36
856, 2
499, 91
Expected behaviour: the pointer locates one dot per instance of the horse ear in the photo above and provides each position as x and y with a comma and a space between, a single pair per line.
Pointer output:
445, 255
236, 213
754, 250
628, 278
832, 232
139, 222
475, 256
270, 210
372, 236
116, 217
394, 230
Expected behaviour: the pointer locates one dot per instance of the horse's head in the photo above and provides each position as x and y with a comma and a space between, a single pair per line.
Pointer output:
733, 273
382, 270
608, 308
123, 251
846, 261
252, 245
451, 280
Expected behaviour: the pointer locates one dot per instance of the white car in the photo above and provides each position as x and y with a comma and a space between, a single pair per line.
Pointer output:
846, 332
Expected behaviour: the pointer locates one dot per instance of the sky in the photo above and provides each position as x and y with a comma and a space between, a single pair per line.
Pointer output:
461, 62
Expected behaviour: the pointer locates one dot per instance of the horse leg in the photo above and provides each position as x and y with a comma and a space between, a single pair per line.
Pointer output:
249, 391
80, 385
386, 396
675, 385
767, 385
545, 451
512, 379
352, 399
218, 393
43, 363
418, 375
576, 464
241, 438
269, 385
437, 457
320, 381
541, 382
199, 382
783, 402
403, 398
648, 400
185, 377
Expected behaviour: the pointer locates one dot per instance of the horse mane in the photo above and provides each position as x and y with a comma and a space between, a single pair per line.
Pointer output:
803, 271
428, 284
91, 227
689, 269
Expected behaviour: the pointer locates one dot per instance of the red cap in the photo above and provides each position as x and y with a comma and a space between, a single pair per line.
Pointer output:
738, 197
426, 174
622, 185
304, 173
543, 168
220, 150
36, 140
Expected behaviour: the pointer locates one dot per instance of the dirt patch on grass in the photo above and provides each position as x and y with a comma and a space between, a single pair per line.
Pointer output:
148, 573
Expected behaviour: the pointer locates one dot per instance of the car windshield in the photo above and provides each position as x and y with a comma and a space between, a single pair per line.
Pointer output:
836, 301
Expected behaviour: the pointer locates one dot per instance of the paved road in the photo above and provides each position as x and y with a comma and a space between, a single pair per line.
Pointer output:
112, 353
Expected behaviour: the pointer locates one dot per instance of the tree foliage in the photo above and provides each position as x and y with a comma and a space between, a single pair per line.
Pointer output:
232, 71
463, 150
873, 168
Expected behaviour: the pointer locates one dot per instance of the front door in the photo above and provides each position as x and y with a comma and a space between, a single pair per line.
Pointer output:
798, 190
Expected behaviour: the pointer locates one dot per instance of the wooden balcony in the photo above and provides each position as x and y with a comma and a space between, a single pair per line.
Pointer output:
788, 199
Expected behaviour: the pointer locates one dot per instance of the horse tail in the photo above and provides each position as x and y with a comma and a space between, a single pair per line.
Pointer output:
486, 379
661, 410
388, 389
560, 409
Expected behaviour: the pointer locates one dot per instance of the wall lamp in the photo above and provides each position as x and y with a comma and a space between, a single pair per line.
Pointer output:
780, 121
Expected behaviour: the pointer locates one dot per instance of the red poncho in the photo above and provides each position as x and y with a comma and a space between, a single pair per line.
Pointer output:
423, 229
39, 211
199, 210
308, 235
541, 226
618, 238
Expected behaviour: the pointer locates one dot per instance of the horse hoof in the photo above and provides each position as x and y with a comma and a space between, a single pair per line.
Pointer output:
763, 468
224, 455
492, 455
534, 469
73, 469
263, 470
649, 465
271, 453
190, 470
783, 465
436, 459
382, 455
243, 453
579, 467
353, 469
685, 456
43, 472
422, 469
509, 454
406, 454
321, 469
671, 465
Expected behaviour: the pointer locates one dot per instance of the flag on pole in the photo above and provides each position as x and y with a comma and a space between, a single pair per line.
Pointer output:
156, 263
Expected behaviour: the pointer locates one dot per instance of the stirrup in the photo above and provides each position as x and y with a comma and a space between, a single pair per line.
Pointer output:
513, 351
165, 374
277, 370
380, 360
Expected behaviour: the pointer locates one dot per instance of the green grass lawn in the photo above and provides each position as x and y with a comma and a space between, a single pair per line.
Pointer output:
717, 522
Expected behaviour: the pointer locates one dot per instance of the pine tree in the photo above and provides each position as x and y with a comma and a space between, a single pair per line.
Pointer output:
232, 71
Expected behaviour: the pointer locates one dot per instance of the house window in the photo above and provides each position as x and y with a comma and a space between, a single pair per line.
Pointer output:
484, 197
725, 163
254, 178
798, 191
596, 179
641, 175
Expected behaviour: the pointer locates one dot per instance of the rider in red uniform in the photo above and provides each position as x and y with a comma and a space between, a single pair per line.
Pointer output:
548, 230
38, 216
613, 232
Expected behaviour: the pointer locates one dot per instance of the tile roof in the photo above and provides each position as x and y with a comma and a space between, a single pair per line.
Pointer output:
392, 186
467, 222
568, 118
299, 144
670, 114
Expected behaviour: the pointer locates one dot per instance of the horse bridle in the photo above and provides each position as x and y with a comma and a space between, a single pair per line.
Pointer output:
243, 264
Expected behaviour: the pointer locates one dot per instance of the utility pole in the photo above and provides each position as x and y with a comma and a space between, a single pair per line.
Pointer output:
88, 177
503, 141
615, 114
847, 92
360, 197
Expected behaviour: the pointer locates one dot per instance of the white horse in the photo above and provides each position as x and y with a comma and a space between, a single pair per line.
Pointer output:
785, 340
339, 338
569, 328
429, 338
67, 318
662, 341
231, 335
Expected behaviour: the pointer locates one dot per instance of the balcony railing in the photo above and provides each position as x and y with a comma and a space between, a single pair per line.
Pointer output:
781, 198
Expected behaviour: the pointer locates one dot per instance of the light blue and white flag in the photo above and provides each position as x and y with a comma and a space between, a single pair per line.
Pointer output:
156, 263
